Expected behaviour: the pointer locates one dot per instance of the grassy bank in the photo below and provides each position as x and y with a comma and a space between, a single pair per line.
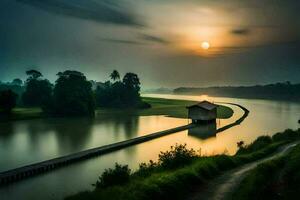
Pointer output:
178, 170
275, 179
168, 107
24, 114
173, 108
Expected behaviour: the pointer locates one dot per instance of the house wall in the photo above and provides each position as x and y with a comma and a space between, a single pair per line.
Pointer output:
198, 113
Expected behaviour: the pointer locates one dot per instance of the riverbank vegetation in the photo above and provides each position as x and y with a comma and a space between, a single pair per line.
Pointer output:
283, 183
167, 107
72, 94
177, 171
119, 93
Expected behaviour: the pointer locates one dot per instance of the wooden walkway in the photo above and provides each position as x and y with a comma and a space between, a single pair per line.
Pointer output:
41, 167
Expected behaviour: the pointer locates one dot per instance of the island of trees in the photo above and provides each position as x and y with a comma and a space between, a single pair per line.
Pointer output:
71, 94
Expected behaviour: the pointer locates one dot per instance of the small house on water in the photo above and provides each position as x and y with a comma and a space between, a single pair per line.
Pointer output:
203, 112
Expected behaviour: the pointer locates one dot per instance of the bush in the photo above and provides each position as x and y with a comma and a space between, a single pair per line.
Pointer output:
287, 135
145, 169
117, 176
178, 156
260, 143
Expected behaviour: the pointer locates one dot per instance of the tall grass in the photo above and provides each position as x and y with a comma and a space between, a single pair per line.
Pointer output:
275, 179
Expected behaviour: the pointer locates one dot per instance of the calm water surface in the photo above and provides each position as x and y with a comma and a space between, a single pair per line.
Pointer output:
25, 142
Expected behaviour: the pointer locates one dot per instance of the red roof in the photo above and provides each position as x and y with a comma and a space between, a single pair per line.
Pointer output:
204, 104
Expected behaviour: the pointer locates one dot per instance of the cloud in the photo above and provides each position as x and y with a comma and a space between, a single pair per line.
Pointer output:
240, 31
103, 11
132, 42
143, 39
153, 38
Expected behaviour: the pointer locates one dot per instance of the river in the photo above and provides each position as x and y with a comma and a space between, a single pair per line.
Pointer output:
29, 141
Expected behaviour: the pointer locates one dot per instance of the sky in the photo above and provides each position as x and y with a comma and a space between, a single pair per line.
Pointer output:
251, 42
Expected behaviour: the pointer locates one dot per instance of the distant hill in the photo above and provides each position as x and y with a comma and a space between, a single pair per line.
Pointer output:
158, 91
280, 91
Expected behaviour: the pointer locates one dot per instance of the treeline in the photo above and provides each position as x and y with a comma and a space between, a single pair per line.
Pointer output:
280, 91
71, 94
120, 93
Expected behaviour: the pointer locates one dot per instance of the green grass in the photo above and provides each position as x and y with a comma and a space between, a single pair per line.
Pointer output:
276, 179
168, 107
175, 183
23, 114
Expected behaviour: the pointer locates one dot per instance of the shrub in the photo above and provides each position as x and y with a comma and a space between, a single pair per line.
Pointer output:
178, 156
286, 135
145, 169
260, 143
117, 176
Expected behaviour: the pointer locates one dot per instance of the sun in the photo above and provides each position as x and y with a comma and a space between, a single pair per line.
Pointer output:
205, 45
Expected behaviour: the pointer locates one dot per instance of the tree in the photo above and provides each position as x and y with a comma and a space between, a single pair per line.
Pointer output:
132, 80
38, 91
115, 75
16, 86
132, 89
8, 101
73, 95
34, 74
17, 82
121, 94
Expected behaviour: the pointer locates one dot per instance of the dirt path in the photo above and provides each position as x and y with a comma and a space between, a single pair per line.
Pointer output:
222, 186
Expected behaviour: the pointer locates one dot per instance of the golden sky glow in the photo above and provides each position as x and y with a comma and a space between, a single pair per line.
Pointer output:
227, 27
